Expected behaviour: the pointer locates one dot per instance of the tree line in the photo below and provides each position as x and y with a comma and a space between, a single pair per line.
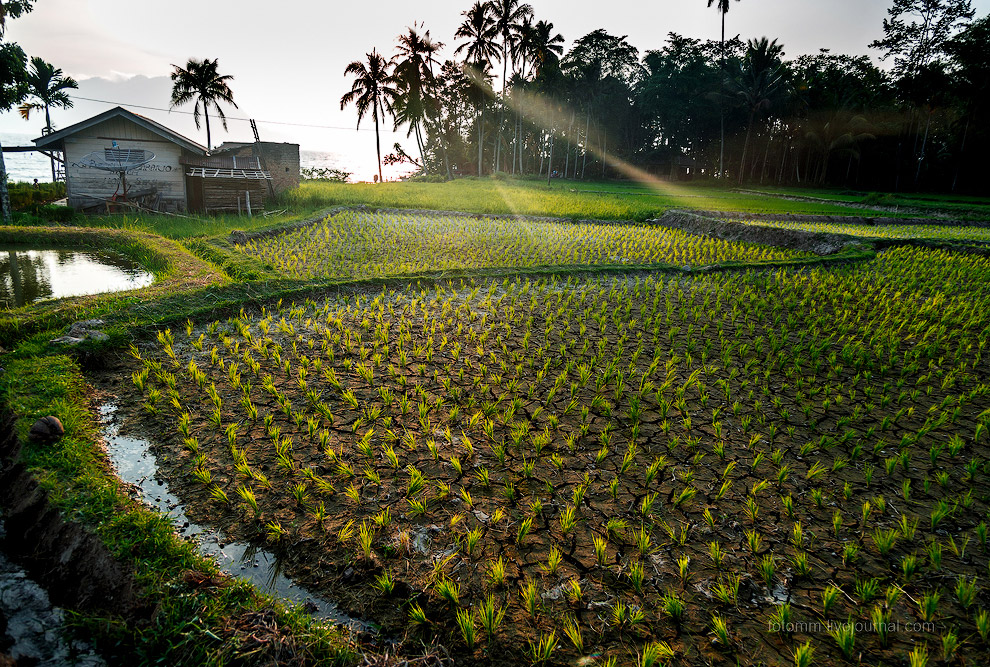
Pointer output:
728, 109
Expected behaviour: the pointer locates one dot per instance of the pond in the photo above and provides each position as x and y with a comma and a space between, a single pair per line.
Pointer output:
34, 274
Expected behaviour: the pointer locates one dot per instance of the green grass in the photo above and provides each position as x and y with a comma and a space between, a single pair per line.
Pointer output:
182, 227
581, 200
962, 206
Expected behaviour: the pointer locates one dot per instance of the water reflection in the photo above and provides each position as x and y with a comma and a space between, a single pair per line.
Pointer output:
135, 464
33, 274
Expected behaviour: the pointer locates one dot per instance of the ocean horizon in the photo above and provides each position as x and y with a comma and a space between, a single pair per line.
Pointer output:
25, 167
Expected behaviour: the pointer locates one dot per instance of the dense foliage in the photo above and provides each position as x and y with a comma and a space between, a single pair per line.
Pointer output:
604, 108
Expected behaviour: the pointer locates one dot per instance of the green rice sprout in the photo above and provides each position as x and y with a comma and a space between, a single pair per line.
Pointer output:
465, 622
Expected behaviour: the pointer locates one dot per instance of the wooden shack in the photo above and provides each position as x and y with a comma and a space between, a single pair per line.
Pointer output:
183, 176
227, 184
159, 185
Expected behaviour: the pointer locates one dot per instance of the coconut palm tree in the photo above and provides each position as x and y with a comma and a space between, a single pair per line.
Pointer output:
480, 30
201, 82
413, 69
723, 8
761, 82
509, 16
546, 48
47, 88
373, 89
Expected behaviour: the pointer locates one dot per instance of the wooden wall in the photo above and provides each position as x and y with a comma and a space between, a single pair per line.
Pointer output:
86, 185
227, 194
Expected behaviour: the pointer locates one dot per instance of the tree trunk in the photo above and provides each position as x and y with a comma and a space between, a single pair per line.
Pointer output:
501, 111
4, 193
604, 153
481, 138
567, 148
924, 146
206, 114
48, 130
742, 162
422, 150
721, 105
550, 160
544, 140
587, 128
378, 145
783, 162
962, 152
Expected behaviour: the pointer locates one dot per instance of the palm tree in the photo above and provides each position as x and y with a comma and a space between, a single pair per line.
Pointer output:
200, 81
761, 81
480, 30
47, 89
509, 16
547, 47
374, 89
723, 9
413, 63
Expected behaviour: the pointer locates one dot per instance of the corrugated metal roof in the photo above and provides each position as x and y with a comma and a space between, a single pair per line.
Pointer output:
146, 123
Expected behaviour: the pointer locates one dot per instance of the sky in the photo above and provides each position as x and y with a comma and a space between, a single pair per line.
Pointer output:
288, 58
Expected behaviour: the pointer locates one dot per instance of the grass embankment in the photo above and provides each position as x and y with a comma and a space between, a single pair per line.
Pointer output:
176, 272
191, 623
959, 206
925, 232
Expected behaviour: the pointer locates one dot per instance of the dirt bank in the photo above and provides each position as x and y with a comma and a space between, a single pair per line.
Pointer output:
67, 559
699, 223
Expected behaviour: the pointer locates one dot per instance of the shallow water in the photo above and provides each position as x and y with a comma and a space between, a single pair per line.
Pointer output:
135, 464
35, 274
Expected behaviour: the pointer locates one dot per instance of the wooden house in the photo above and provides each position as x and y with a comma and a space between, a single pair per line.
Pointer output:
183, 176
160, 184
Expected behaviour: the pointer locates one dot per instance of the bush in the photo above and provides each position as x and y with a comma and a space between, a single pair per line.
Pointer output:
26, 195
325, 174
428, 178
54, 213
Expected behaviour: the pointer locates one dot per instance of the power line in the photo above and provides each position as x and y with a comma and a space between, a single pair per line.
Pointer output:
190, 113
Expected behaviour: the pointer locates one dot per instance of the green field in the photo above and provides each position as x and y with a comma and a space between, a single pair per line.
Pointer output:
361, 245
532, 441
602, 201
881, 231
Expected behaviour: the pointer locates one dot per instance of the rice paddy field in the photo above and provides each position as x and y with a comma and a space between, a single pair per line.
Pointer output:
357, 244
882, 231
770, 467
501, 440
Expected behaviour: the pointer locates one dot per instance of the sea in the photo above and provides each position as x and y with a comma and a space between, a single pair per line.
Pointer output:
28, 166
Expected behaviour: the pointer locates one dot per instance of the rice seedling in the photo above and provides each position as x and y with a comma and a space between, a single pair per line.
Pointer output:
465, 623
720, 630
830, 594
804, 655
530, 598
417, 617
449, 591
918, 657
655, 653
385, 583
541, 651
